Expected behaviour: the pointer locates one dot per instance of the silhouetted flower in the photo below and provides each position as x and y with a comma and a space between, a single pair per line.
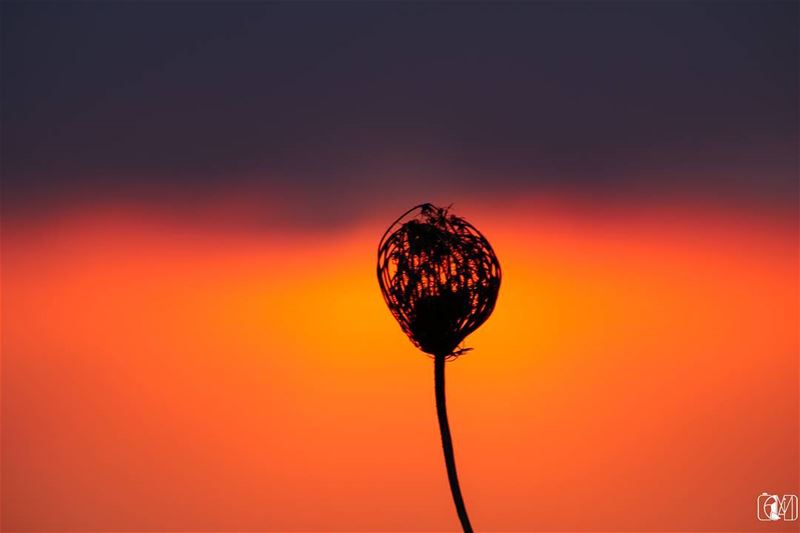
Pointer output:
439, 277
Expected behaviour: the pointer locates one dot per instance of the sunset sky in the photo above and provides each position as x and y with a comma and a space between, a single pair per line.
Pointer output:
193, 337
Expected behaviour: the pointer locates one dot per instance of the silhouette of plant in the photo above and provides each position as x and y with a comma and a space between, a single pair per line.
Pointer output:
440, 278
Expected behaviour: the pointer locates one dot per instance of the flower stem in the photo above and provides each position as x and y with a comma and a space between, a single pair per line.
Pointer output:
447, 443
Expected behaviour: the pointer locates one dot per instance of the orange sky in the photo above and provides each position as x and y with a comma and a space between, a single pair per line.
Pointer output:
640, 372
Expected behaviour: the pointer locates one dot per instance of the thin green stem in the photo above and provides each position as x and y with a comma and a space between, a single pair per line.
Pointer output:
447, 443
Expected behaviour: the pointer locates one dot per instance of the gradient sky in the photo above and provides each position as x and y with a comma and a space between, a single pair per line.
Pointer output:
170, 102
193, 338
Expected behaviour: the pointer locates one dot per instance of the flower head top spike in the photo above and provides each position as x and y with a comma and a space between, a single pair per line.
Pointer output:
439, 277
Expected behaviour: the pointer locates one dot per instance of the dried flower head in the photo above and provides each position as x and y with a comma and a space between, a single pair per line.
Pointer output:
439, 277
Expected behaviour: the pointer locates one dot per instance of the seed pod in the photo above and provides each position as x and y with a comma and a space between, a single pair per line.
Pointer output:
439, 276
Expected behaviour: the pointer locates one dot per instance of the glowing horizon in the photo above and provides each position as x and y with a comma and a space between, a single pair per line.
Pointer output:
159, 376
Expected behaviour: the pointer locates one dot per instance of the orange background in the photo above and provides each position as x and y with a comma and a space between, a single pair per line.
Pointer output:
640, 372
